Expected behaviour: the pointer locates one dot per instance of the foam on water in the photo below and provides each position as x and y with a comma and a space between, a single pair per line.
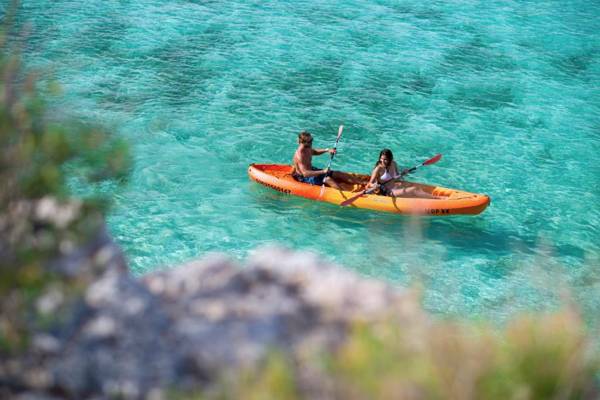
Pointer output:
506, 90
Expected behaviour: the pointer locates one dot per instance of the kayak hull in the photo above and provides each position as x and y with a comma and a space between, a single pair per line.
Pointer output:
453, 202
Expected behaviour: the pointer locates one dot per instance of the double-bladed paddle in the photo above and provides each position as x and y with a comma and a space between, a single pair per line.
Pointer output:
351, 200
332, 155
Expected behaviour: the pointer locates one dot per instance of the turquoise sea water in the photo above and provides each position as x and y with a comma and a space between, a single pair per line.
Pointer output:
507, 91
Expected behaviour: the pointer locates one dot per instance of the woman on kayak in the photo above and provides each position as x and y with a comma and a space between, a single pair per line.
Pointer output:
386, 176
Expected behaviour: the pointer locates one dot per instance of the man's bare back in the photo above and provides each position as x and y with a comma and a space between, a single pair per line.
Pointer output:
302, 160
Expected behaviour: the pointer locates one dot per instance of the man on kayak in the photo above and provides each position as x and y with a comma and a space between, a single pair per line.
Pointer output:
303, 169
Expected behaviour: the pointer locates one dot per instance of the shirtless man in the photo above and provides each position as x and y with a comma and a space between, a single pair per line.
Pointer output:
303, 169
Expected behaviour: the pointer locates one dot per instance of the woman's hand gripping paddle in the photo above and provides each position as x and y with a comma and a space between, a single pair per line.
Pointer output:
332, 155
352, 199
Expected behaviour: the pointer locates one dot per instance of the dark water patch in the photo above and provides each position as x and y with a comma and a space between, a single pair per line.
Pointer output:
401, 9
423, 12
110, 95
525, 120
418, 83
249, 89
503, 267
183, 70
378, 103
178, 86
204, 2
576, 65
321, 14
483, 97
187, 67
96, 37
362, 39
389, 92
477, 55
545, 156
468, 237
220, 37
213, 40
182, 135
311, 85
99, 37
472, 237
35, 36
419, 11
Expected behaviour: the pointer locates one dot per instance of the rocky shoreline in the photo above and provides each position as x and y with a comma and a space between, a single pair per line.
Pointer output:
187, 327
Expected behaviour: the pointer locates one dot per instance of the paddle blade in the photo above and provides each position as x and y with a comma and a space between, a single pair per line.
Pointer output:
351, 200
433, 160
340, 132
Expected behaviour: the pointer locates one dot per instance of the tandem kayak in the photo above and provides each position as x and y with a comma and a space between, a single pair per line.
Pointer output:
451, 201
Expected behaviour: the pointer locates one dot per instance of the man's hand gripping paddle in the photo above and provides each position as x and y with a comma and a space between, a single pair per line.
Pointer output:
352, 199
332, 155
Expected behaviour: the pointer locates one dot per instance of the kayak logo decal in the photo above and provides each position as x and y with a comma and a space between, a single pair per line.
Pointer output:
286, 191
437, 211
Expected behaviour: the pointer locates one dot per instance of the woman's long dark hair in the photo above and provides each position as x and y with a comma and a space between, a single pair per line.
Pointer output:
387, 153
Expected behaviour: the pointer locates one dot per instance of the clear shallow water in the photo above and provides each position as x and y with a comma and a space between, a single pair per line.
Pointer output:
507, 91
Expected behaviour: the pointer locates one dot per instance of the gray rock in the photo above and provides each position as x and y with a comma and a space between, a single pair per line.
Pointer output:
185, 327
122, 349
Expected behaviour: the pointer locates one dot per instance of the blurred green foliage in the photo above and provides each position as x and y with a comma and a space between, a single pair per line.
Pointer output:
540, 357
39, 222
274, 380
536, 357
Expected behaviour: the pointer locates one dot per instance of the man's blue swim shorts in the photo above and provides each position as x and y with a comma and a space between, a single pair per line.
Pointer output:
313, 180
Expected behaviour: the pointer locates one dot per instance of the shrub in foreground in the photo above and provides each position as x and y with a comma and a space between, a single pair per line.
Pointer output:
533, 357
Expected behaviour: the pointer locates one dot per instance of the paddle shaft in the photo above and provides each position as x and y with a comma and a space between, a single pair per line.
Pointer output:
335, 146
341, 128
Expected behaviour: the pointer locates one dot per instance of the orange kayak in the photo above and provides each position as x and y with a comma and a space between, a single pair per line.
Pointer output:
452, 201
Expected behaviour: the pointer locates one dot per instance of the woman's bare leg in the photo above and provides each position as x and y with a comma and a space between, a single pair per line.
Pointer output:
329, 181
412, 191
